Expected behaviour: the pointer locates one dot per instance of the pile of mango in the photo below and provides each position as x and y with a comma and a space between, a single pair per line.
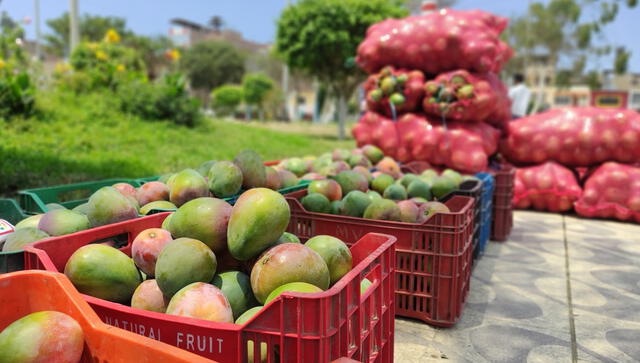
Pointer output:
385, 193
212, 261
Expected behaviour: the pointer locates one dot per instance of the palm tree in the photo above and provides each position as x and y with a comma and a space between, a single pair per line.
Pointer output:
216, 22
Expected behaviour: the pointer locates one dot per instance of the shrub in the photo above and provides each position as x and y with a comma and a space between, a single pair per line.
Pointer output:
225, 99
17, 94
165, 99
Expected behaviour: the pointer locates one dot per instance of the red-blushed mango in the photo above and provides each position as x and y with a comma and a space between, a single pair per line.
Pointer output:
288, 262
373, 153
364, 172
383, 209
263, 346
409, 211
152, 192
430, 208
125, 189
22, 237
335, 254
149, 297
187, 185
253, 173
204, 219
312, 176
159, 204
225, 179
146, 247
103, 272
334, 168
295, 165
292, 287
59, 222
258, 219
389, 166
201, 301
236, 287
327, 187
340, 154
273, 178
359, 160
350, 180
108, 206
182, 262
287, 178
44, 336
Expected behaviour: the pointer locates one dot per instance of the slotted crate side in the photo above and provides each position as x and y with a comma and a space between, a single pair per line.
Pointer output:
502, 203
12, 213
473, 189
433, 259
34, 201
297, 327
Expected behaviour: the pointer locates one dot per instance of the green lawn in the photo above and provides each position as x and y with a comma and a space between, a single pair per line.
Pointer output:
87, 138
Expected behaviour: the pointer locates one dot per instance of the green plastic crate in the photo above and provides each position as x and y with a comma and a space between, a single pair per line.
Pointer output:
11, 212
148, 179
34, 201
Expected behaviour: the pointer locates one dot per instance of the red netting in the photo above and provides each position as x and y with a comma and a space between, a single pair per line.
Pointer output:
463, 96
385, 85
575, 136
549, 186
376, 130
437, 42
612, 191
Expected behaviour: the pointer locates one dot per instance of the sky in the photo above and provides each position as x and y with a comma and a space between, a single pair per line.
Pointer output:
256, 19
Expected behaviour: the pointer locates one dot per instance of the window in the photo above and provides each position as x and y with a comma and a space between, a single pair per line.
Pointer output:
562, 100
635, 98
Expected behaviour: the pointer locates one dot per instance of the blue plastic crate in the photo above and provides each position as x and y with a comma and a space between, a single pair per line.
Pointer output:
486, 207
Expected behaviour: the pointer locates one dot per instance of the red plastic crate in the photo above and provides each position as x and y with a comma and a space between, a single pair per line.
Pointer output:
433, 259
26, 292
502, 202
296, 328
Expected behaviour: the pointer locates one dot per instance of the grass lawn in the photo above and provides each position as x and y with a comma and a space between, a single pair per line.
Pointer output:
78, 138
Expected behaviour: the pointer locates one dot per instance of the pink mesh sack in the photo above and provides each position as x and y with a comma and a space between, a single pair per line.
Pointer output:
574, 136
405, 89
437, 42
376, 130
549, 187
471, 97
612, 191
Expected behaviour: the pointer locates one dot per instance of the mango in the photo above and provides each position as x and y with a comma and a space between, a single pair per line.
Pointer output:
430, 208
316, 202
442, 186
236, 287
205, 219
152, 192
287, 238
419, 189
340, 154
335, 254
187, 185
407, 179
263, 346
289, 262
31, 221
160, 204
146, 247
107, 206
103, 272
22, 237
167, 222
81, 208
327, 187
252, 166
203, 169
200, 300
350, 180
453, 175
302, 287
287, 178
364, 172
125, 189
296, 165
225, 179
409, 211
273, 178
148, 296
336, 207
53, 206
373, 195
59, 222
381, 182
359, 160
258, 218
43, 336
395, 192
365, 284
355, 203
182, 262
389, 166
383, 209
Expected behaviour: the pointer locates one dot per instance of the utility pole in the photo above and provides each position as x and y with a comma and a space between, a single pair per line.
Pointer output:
74, 27
36, 5
285, 85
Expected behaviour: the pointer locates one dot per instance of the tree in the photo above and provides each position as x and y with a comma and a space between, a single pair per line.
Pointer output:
226, 99
559, 29
621, 61
256, 88
92, 29
216, 22
320, 38
211, 64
